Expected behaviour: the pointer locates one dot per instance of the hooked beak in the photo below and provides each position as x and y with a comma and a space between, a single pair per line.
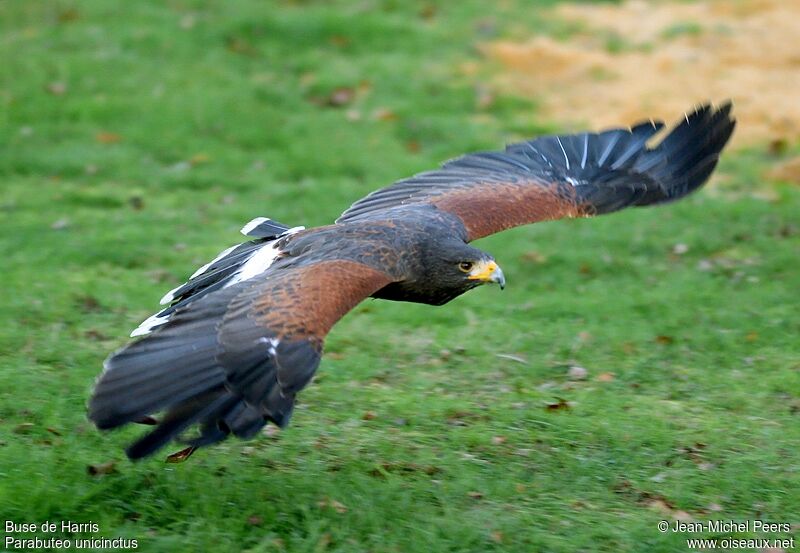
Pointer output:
489, 272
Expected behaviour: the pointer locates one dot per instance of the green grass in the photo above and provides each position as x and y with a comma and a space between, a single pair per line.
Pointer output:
136, 138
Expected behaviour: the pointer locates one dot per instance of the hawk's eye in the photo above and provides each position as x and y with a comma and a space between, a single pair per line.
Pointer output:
466, 266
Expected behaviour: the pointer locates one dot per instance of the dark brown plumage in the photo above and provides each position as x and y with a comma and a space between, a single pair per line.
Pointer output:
238, 341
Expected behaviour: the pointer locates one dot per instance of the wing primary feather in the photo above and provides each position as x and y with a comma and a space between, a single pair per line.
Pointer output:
566, 157
585, 150
609, 147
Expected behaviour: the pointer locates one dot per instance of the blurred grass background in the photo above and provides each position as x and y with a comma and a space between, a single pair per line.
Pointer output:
135, 140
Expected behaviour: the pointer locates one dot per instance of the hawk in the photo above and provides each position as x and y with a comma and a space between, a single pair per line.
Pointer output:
237, 342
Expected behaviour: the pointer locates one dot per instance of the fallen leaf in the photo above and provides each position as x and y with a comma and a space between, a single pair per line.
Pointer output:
240, 46
57, 88
68, 15
693, 452
271, 430
88, 304
94, 334
337, 506
369, 415
23, 428
558, 405
605, 377
777, 146
577, 373
623, 487
629, 348
705, 265
484, 97
475, 495
105, 137
499, 440
427, 11
340, 41
664, 340
160, 275
60, 224
384, 114
388, 467
534, 257
341, 96
512, 357
666, 507
187, 21
180, 456
497, 536
136, 203
460, 418
199, 159
99, 469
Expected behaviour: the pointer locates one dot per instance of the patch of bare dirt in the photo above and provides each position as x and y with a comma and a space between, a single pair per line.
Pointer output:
644, 59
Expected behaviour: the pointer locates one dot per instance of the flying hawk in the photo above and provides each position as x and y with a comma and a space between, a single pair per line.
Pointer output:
244, 335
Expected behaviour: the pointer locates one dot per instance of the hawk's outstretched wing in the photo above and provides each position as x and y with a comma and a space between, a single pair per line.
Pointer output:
233, 359
564, 176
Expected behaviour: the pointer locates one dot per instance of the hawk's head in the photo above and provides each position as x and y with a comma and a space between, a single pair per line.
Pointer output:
443, 270
449, 269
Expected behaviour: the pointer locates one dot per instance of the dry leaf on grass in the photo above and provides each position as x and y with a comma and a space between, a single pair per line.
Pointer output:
23, 428
180, 456
60, 224
337, 506
559, 405
577, 373
100, 469
105, 137
512, 357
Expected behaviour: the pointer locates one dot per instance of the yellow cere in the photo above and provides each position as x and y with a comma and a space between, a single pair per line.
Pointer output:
483, 271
